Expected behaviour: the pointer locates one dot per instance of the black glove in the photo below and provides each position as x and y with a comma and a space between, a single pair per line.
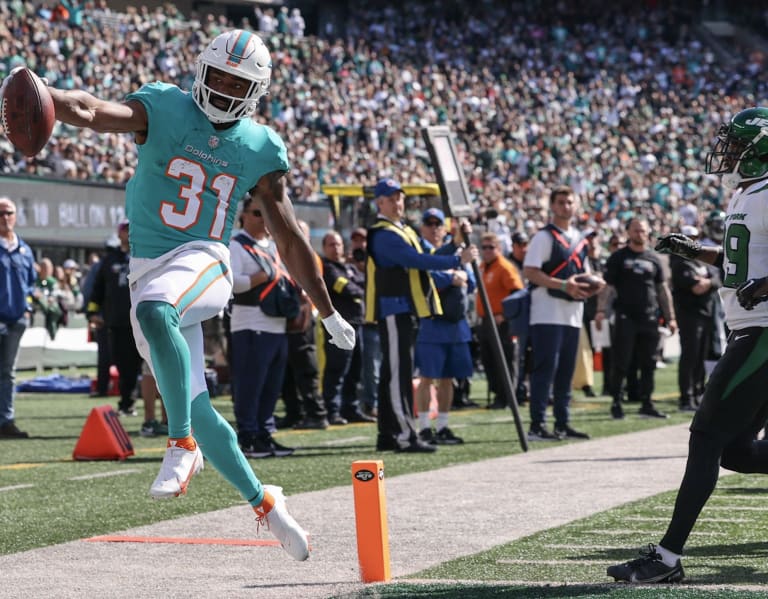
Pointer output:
679, 244
752, 292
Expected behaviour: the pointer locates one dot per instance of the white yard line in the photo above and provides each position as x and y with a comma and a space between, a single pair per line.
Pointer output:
105, 474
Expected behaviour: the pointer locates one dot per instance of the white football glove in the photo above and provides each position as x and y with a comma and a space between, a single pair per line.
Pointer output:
342, 333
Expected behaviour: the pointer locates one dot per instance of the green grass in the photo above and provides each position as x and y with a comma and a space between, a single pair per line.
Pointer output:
57, 508
728, 549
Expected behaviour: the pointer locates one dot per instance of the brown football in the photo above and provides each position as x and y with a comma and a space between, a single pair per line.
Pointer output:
27, 112
593, 281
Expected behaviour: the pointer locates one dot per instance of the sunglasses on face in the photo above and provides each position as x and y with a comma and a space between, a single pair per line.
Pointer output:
256, 212
7, 213
487, 247
433, 223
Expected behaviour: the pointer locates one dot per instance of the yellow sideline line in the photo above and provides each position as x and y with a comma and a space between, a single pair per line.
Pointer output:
20, 466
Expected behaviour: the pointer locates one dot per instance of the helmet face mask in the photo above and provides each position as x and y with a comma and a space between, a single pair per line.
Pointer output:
238, 53
740, 153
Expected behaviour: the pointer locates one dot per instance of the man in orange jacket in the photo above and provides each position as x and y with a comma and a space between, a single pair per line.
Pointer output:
500, 278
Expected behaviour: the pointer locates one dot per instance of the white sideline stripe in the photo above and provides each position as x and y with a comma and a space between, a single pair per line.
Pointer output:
634, 531
555, 562
737, 508
662, 519
105, 474
347, 441
738, 497
16, 487
595, 547
578, 585
744, 508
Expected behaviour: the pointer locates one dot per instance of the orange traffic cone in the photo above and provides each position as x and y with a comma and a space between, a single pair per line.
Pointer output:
103, 437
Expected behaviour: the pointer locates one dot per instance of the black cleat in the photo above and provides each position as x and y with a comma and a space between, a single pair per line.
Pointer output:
427, 436
567, 432
650, 411
539, 432
415, 446
647, 569
617, 412
445, 436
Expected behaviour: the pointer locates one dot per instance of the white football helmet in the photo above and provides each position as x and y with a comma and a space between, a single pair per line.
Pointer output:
240, 53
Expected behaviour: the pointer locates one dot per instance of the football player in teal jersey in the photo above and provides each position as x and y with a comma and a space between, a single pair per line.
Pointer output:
198, 154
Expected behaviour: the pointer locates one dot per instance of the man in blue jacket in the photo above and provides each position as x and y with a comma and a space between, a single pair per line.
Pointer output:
399, 290
17, 279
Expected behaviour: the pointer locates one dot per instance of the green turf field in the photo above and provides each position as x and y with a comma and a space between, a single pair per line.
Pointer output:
47, 498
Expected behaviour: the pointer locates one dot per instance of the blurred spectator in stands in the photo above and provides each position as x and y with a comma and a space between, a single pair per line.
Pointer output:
615, 242
500, 278
520, 242
442, 342
46, 296
109, 307
296, 24
267, 23
556, 256
17, 269
584, 374
304, 406
346, 286
637, 286
694, 286
152, 426
259, 348
371, 345
97, 334
69, 284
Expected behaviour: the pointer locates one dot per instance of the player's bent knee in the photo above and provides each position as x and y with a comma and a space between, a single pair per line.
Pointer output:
156, 318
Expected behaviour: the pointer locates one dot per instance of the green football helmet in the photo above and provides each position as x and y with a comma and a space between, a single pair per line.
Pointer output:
741, 150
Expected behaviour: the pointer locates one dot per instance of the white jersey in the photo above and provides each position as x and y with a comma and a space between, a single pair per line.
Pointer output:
745, 246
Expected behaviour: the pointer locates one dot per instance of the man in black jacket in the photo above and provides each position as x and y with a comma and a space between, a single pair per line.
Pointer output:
346, 286
110, 307
694, 285
636, 279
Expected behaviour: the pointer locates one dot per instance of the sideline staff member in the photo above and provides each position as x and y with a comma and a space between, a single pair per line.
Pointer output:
398, 290
17, 269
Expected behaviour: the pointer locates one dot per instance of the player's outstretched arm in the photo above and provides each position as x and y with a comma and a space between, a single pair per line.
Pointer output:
298, 256
81, 109
294, 248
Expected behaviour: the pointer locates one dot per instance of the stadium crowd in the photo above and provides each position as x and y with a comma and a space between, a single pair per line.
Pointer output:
618, 100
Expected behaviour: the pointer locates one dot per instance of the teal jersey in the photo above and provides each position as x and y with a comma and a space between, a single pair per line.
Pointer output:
190, 176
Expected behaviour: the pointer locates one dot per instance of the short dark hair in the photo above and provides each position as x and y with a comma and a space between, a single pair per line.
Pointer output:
559, 190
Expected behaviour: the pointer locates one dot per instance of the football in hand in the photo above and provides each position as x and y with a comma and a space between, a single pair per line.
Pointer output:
593, 281
27, 112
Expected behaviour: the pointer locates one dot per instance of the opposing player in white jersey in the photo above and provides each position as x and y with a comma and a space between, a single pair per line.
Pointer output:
198, 154
735, 406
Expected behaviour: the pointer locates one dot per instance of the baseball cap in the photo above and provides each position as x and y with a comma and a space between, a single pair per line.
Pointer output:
690, 231
386, 187
520, 237
359, 232
69, 263
433, 213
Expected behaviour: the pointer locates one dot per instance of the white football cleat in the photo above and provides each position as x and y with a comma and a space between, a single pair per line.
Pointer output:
178, 467
274, 514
